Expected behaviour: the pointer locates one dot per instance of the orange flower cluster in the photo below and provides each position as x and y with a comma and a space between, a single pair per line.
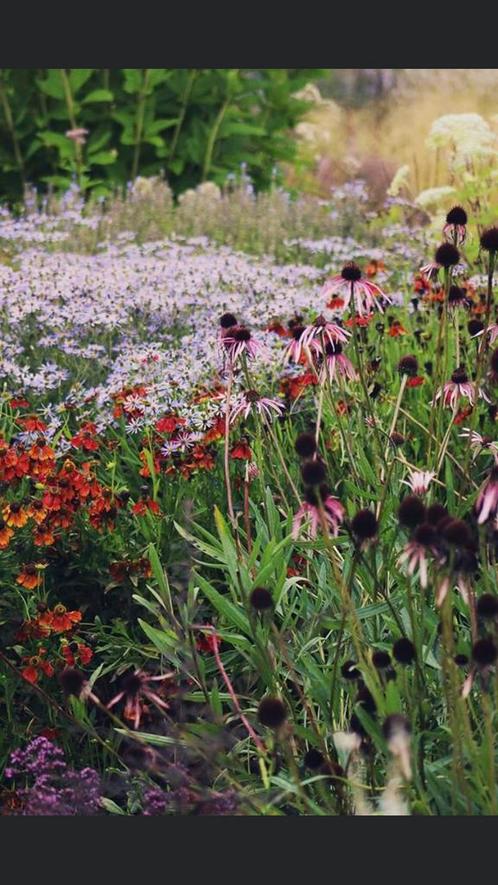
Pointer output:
126, 568
85, 438
292, 387
17, 461
48, 623
121, 396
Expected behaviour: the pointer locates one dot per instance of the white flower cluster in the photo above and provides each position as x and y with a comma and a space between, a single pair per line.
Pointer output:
434, 197
469, 136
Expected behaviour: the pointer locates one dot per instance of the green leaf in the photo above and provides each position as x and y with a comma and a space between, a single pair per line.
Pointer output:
111, 806
98, 95
160, 576
158, 125
52, 85
232, 613
232, 128
103, 158
133, 80
164, 640
78, 78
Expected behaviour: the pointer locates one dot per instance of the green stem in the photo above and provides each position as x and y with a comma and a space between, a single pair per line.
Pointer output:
212, 138
139, 122
183, 110
12, 130
68, 95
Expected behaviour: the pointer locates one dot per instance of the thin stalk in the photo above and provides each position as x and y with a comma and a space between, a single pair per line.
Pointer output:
9, 120
139, 122
213, 134
183, 110
68, 95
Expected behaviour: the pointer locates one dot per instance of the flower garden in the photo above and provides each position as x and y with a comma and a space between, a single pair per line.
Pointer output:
248, 505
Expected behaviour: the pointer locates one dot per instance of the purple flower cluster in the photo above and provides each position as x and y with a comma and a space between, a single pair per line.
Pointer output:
50, 787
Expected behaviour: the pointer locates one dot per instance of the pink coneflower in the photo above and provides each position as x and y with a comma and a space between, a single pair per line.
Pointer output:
136, 689
322, 330
464, 571
430, 270
239, 341
310, 511
350, 284
294, 349
251, 400
492, 331
419, 481
480, 443
458, 388
455, 229
487, 499
415, 554
77, 135
336, 363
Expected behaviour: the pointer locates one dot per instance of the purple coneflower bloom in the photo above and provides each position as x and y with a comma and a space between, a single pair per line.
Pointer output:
430, 270
262, 404
294, 348
458, 387
136, 689
310, 511
349, 284
419, 481
487, 499
416, 551
480, 443
455, 229
322, 330
336, 363
492, 331
240, 341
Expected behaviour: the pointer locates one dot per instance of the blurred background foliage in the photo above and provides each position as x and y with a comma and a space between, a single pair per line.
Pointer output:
306, 130
190, 125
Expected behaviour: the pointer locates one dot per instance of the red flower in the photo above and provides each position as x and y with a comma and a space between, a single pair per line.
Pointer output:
85, 438
169, 423
241, 451
207, 641
217, 431
32, 424
279, 330
415, 382
359, 321
37, 665
462, 415
144, 505
336, 303
396, 329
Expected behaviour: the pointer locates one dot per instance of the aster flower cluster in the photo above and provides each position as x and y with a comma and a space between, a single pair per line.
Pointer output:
45, 785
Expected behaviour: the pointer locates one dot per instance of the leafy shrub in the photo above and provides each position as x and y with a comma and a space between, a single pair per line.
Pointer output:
191, 124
